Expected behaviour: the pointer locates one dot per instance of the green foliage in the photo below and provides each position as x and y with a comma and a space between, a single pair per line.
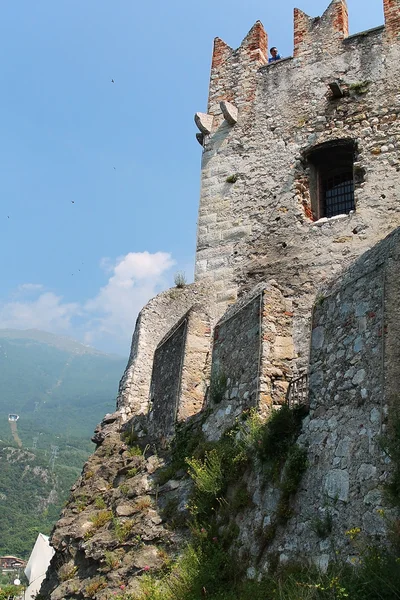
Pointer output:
96, 585
135, 451
132, 472
232, 178
67, 572
241, 498
61, 390
99, 502
82, 502
186, 443
278, 436
218, 386
111, 560
122, 529
129, 436
360, 87
124, 489
10, 591
206, 570
180, 279
207, 474
101, 518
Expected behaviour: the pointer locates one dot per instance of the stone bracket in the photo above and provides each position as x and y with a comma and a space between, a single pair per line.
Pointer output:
229, 111
336, 90
204, 122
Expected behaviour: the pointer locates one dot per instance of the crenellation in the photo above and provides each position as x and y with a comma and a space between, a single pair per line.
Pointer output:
391, 9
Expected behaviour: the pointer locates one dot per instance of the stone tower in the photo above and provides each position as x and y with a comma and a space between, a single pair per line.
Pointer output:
301, 157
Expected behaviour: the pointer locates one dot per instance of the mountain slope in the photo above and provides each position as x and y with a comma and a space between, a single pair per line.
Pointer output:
60, 390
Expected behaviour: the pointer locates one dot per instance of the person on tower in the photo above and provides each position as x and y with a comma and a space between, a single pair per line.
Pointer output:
274, 55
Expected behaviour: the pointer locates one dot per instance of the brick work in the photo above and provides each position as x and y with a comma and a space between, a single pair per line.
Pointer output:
240, 65
391, 9
316, 35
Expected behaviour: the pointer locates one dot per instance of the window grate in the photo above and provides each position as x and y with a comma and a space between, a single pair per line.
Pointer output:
338, 191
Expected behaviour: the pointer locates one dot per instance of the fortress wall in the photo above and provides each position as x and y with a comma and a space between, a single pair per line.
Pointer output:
251, 358
154, 321
180, 372
352, 380
196, 364
166, 379
262, 226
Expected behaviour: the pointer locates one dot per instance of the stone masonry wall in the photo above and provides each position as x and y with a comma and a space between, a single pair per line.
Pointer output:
251, 359
158, 317
351, 382
196, 364
180, 372
259, 225
166, 380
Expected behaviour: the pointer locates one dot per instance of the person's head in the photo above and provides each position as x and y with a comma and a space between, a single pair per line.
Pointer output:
274, 51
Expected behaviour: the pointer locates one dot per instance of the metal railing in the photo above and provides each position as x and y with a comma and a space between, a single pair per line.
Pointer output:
297, 393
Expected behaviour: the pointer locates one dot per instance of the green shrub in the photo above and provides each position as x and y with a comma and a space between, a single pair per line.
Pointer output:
207, 474
96, 585
241, 498
101, 518
278, 435
100, 503
135, 451
132, 472
180, 279
232, 178
122, 529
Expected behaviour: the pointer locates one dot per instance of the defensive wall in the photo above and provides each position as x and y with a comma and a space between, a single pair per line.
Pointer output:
354, 375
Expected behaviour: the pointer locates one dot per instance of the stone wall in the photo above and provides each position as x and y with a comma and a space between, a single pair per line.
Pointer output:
180, 372
353, 375
251, 358
255, 216
166, 379
155, 320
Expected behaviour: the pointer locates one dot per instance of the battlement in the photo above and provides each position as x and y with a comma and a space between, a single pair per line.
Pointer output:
320, 34
233, 76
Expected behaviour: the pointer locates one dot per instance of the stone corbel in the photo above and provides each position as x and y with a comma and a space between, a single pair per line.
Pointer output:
229, 111
204, 122
336, 90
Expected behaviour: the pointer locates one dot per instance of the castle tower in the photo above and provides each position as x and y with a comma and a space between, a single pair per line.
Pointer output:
301, 157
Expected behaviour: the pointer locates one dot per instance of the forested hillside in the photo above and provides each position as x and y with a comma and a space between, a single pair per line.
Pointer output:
60, 390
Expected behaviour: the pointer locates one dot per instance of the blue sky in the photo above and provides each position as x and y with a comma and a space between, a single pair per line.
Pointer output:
100, 180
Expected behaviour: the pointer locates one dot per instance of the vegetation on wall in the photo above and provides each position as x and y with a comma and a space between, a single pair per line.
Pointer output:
210, 566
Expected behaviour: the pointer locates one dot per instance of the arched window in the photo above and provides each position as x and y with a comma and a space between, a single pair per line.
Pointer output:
332, 178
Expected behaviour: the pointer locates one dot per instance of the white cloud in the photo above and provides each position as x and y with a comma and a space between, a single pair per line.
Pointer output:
28, 288
135, 278
45, 312
107, 319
